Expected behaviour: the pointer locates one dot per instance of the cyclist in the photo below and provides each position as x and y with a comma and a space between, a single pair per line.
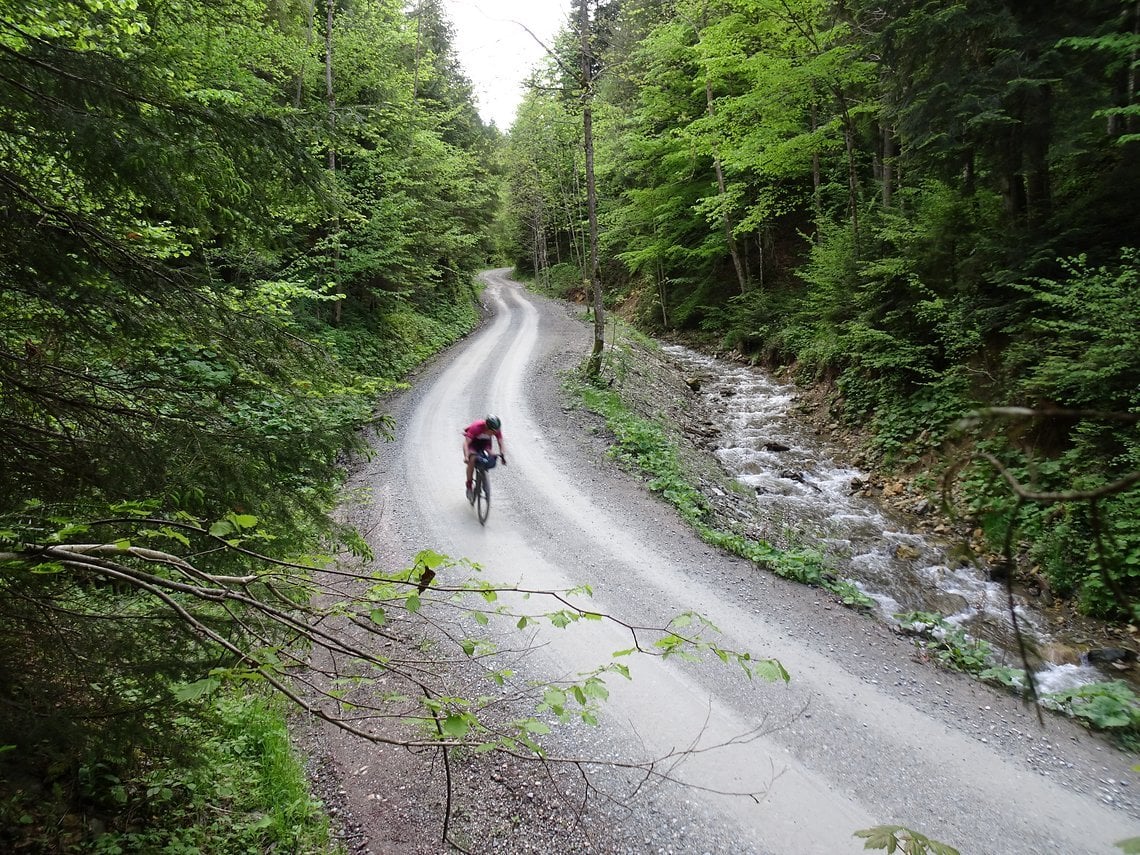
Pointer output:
477, 438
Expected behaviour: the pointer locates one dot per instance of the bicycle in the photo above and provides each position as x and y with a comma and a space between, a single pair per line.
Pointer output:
480, 495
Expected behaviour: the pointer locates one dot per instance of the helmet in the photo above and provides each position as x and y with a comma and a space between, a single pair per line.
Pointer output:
492, 423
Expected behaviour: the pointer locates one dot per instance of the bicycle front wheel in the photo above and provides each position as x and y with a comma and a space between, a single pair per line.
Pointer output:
483, 497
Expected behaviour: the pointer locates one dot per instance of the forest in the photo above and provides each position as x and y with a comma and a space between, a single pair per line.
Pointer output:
229, 226
929, 208
232, 225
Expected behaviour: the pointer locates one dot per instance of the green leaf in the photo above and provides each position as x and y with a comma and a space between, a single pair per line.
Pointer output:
197, 689
562, 619
69, 531
1131, 846
554, 698
412, 603
523, 621
175, 534
430, 559
892, 837
221, 528
596, 689
770, 670
455, 726
879, 837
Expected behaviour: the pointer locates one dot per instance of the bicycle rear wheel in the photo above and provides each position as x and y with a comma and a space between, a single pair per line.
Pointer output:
482, 496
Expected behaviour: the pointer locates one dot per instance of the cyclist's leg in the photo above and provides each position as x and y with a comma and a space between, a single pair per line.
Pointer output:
469, 456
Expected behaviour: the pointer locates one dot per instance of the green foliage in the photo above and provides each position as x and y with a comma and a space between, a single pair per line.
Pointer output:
149, 641
236, 787
898, 838
848, 594
170, 613
208, 279
1084, 327
390, 343
1084, 358
896, 207
562, 280
1013, 679
544, 185
645, 446
1092, 559
950, 644
1111, 706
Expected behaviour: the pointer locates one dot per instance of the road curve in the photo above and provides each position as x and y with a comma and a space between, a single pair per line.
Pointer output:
862, 735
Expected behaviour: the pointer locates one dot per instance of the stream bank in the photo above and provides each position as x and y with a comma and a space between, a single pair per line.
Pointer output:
776, 466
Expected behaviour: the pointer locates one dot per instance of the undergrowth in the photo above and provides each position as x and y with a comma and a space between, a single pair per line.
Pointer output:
244, 790
1112, 707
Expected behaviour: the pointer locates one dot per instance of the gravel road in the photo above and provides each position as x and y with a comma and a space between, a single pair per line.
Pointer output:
864, 733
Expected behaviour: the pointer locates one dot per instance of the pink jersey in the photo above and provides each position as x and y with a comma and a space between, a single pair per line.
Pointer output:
479, 430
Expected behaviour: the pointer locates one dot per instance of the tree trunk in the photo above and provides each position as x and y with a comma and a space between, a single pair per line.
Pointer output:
330, 100
1037, 140
852, 171
310, 14
1134, 69
816, 173
1012, 177
726, 220
330, 95
852, 175
888, 166
594, 365
574, 214
534, 227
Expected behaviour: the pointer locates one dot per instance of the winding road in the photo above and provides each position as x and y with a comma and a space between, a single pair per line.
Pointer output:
862, 735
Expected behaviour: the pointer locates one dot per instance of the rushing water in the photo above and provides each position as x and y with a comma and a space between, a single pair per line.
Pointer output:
800, 489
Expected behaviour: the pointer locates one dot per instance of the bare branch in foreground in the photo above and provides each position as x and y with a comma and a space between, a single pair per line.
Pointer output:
346, 646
